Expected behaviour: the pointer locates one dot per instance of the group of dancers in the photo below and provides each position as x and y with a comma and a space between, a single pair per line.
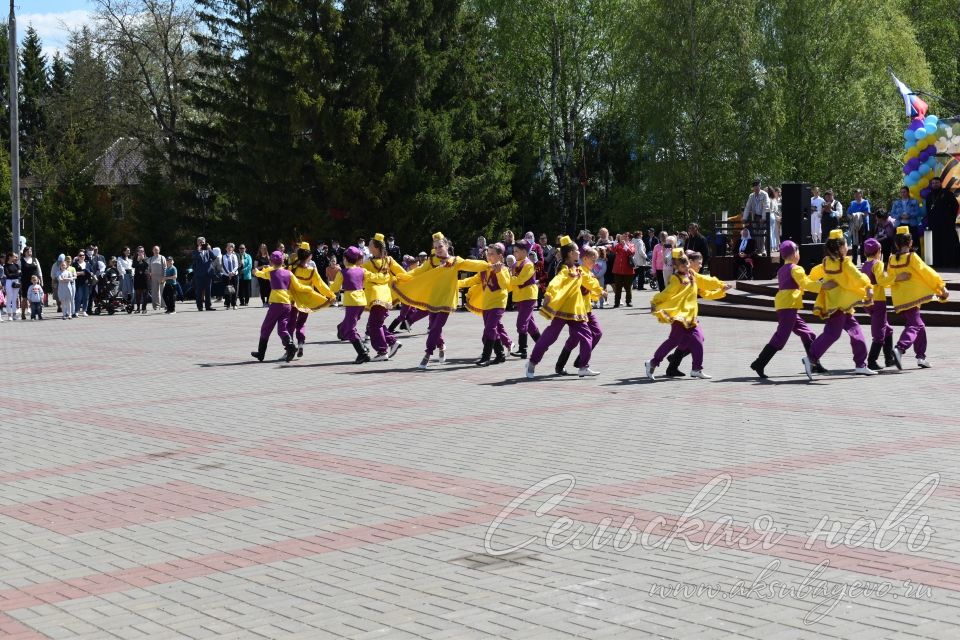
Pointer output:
430, 290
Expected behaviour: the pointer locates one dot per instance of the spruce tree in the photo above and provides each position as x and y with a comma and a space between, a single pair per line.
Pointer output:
34, 92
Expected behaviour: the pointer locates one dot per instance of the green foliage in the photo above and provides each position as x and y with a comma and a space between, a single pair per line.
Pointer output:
315, 118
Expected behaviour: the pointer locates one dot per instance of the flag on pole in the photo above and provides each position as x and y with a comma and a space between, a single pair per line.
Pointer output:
915, 107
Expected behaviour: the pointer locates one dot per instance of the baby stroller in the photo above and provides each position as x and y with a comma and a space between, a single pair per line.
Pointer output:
109, 296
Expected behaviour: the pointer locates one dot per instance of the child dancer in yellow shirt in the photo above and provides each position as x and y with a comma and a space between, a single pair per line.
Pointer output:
844, 289
708, 288
523, 284
914, 285
792, 281
880, 329
433, 288
592, 291
487, 297
314, 296
352, 280
677, 306
564, 305
380, 298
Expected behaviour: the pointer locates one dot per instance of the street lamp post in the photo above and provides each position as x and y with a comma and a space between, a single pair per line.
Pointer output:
14, 132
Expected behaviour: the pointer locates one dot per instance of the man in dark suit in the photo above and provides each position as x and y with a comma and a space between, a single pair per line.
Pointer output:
393, 250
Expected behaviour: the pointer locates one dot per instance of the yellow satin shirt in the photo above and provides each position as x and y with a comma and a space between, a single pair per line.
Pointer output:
480, 297
924, 284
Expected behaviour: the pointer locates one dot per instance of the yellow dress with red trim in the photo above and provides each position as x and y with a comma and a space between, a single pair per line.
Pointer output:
564, 299
316, 295
480, 296
433, 285
380, 294
853, 287
924, 284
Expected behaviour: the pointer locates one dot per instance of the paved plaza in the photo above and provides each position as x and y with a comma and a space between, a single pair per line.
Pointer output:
158, 483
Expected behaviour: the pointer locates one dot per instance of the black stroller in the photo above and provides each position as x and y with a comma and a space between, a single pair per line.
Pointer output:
109, 297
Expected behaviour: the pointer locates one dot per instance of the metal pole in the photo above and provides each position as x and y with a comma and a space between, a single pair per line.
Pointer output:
585, 226
14, 133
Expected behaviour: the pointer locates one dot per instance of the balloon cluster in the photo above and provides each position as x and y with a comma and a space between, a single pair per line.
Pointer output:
923, 139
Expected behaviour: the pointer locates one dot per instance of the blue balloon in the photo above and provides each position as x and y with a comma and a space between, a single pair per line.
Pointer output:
931, 119
920, 134
908, 134
930, 129
909, 180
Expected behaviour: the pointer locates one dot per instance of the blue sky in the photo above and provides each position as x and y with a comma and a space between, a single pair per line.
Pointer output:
51, 18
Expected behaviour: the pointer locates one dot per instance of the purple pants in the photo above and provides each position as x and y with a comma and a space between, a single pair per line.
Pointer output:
578, 330
278, 315
595, 335
837, 324
412, 314
525, 323
880, 329
681, 338
347, 330
493, 327
914, 333
380, 338
435, 331
296, 322
789, 321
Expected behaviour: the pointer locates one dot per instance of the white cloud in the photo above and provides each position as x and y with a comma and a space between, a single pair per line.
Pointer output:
53, 28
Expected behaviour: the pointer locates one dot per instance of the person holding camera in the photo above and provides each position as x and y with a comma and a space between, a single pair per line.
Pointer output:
202, 275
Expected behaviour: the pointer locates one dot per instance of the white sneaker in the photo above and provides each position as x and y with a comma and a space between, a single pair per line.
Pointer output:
83, 313
922, 363
529, 369
649, 369
381, 357
700, 374
865, 371
584, 372
808, 368
443, 356
898, 356
393, 349
423, 363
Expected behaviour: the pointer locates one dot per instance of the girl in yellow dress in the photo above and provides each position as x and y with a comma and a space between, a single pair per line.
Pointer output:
677, 306
380, 298
433, 288
314, 296
564, 305
487, 297
914, 284
844, 289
